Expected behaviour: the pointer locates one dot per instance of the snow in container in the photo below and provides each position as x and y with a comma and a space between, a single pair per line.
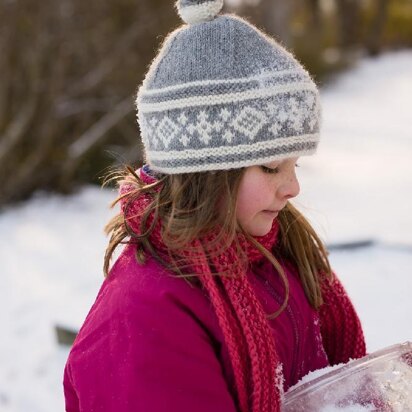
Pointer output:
381, 382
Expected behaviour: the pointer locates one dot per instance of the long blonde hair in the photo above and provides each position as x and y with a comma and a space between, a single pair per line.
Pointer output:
186, 205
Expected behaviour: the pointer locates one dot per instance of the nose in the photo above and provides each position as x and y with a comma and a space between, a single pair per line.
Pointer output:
290, 187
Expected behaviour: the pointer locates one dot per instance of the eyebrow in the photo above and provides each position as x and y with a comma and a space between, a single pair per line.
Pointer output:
271, 165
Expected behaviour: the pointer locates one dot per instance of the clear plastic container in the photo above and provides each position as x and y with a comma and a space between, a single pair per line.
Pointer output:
381, 381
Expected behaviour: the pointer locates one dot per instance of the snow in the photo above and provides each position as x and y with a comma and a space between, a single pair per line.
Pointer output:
317, 374
51, 252
356, 188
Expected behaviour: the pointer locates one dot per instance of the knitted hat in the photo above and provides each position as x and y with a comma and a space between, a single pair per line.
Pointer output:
221, 94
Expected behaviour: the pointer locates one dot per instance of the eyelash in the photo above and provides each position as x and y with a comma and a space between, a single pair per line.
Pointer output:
269, 170
274, 171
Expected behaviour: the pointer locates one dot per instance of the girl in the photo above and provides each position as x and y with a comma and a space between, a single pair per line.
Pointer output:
223, 296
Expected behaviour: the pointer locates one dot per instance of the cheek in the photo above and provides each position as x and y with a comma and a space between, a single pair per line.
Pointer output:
252, 198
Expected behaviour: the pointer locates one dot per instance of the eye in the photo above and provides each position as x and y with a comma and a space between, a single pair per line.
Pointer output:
269, 170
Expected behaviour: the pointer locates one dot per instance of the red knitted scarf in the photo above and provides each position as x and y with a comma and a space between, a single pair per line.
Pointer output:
241, 317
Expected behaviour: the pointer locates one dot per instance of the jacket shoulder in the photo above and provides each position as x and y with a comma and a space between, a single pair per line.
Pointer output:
141, 292
148, 333
130, 283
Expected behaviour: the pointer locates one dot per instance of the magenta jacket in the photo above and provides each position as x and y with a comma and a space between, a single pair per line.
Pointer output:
151, 342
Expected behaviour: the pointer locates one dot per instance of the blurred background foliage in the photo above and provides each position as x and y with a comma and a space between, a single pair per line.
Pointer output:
70, 70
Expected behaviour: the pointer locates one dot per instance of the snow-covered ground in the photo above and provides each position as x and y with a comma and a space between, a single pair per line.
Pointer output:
358, 187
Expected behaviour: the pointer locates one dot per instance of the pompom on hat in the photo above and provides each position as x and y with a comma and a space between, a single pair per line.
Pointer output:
221, 95
198, 11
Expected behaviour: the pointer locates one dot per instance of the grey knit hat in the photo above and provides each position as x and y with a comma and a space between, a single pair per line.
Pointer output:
221, 94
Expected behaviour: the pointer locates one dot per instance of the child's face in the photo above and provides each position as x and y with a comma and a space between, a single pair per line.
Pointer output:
263, 192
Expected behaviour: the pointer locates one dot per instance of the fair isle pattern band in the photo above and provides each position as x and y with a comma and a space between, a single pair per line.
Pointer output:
218, 124
231, 124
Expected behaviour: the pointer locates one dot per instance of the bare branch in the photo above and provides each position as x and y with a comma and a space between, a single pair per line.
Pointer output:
66, 108
16, 130
98, 131
106, 66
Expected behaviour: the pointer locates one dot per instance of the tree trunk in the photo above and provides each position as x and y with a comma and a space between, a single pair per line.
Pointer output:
348, 15
374, 37
315, 14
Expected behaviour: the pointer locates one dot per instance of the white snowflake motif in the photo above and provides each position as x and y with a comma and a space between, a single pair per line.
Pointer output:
298, 115
191, 128
282, 115
217, 126
182, 119
203, 127
275, 128
294, 105
312, 111
167, 130
271, 108
225, 114
249, 122
184, 140
228, 136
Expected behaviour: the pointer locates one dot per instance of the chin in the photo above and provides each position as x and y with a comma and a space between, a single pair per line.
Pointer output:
260, 231
259, 226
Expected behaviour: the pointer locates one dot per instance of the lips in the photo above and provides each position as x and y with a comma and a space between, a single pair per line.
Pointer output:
274, 210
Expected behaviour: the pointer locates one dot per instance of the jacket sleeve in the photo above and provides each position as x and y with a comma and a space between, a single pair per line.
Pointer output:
341, 328
144, 352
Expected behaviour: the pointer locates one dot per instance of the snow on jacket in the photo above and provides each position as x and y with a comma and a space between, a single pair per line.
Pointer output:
151, 342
